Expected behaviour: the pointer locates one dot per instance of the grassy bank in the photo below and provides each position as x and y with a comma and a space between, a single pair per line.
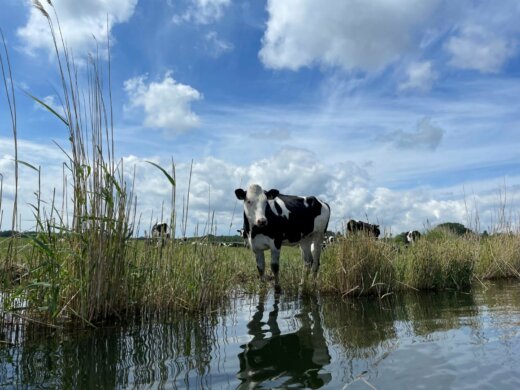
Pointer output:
440, 260
185, 277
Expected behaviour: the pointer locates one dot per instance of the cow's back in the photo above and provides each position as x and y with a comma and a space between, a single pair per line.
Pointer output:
290, 218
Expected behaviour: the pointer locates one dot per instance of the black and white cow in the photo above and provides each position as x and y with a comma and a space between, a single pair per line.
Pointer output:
360, 226
272, 220
243, 233
412, 236
160, 232
288, 359
159, 229
329, 240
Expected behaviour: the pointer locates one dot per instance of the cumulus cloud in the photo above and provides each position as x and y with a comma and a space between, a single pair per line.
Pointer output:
347, 187
203, 11
341, 33
166, 104
420, 76
478, 49
79, 20
426, 136
292, 170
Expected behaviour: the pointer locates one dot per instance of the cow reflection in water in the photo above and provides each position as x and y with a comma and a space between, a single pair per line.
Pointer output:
272, 359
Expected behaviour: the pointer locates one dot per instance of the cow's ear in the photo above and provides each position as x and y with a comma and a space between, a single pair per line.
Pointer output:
271, 194
240, 193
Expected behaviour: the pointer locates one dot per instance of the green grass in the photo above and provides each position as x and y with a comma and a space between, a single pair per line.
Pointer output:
162, 281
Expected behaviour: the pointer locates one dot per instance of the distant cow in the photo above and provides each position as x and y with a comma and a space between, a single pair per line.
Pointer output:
160, 231
272, 220
243, 233
412, 236
328, 241
360, 226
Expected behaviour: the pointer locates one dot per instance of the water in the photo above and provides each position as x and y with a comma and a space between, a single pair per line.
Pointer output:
448, 340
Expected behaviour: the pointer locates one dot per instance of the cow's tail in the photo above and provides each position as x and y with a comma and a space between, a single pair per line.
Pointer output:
328, 219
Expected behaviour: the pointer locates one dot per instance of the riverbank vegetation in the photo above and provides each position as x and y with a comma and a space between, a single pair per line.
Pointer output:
89, 268
162, 280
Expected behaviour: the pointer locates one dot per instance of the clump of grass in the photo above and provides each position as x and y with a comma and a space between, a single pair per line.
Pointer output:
436, 262
358, 265
187, 277
499, 257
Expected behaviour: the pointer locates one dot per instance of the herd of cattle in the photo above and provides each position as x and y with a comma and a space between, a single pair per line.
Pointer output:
272, 219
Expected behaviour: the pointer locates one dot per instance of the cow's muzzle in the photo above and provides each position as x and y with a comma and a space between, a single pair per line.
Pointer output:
261, 222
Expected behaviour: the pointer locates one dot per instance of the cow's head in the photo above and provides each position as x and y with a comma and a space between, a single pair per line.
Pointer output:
377, 232
255, 201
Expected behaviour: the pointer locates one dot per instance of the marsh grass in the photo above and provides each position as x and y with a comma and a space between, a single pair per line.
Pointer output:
440, 260
358, 265
499, 257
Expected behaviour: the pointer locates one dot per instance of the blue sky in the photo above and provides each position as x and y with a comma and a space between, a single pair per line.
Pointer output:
402, 112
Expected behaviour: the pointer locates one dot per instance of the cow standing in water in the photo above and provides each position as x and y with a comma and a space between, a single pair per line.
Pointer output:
272, 220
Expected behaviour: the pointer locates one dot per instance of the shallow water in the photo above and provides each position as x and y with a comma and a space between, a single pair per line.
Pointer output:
447, 340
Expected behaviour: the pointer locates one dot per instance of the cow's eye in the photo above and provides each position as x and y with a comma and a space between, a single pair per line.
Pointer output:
249, 202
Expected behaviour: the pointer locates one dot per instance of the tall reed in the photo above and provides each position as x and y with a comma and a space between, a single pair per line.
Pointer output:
89, 280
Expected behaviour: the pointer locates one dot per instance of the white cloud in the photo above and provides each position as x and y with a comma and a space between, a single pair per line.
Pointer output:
478, 49
420, 76
216, 46
426, 135
51, 101
341, 33
290, 169
203, 11
79, 21
167, 104
347, 187
50, 159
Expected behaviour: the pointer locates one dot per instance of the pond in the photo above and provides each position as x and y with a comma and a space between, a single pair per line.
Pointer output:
425, 340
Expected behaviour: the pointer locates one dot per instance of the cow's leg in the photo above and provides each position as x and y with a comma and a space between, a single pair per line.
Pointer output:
305, 247
275, 267
260, 263
316, 253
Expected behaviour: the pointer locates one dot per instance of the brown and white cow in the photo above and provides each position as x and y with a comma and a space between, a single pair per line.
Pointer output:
272, 219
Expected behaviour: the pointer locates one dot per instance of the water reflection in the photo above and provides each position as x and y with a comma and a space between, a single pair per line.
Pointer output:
272, 359
438, 311
436, 340
172, 355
